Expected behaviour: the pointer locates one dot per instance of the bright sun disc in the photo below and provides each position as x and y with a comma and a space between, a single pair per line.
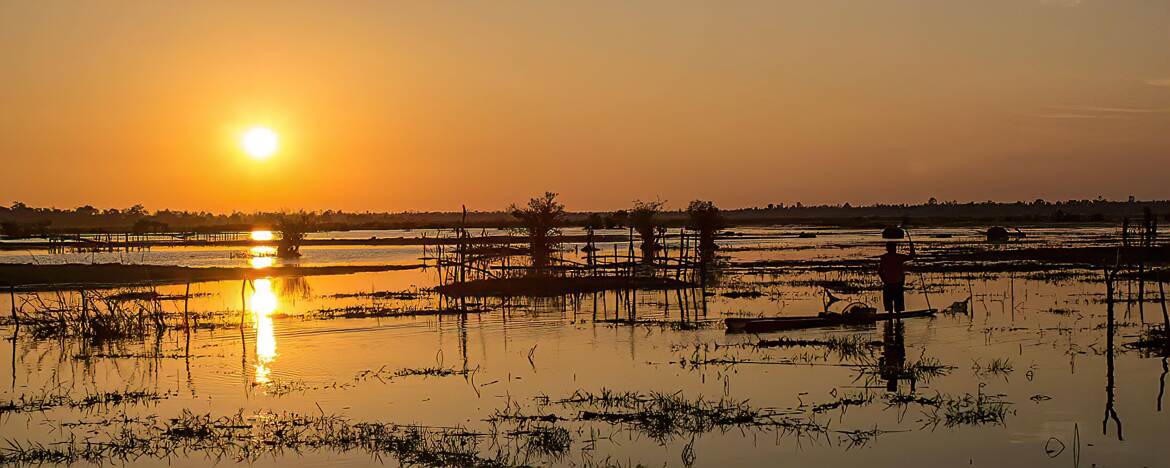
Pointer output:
260, 142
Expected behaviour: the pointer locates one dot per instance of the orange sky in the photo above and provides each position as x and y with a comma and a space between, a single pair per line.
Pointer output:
428, 105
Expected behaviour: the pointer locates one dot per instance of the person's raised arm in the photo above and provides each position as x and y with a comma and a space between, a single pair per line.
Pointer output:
911, 239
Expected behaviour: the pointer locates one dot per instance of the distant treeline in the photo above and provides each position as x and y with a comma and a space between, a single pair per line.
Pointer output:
19, 220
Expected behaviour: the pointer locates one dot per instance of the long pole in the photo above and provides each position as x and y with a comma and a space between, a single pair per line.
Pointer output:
921, 280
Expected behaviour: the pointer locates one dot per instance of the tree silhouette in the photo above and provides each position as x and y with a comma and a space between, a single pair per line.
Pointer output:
542, 219
292, 228
704, 217
642, 219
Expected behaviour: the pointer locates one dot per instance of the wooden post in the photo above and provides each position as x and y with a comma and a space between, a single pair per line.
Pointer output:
630, 253
1165, 316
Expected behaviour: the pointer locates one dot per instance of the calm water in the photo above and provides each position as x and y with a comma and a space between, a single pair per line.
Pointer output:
1034, 346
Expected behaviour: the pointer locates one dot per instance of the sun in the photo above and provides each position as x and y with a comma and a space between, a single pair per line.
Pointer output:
260, 142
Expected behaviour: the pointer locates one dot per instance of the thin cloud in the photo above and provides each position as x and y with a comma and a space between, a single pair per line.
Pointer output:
1162, 82
1069, 115
1097, 112
1112, 110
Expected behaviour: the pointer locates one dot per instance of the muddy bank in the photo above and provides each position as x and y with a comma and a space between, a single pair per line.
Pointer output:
544, 286
48, 277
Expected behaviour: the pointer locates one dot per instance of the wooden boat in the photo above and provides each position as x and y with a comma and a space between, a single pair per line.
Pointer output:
756, 325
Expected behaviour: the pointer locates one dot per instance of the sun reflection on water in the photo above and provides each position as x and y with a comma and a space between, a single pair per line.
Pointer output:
261, 256
263, 303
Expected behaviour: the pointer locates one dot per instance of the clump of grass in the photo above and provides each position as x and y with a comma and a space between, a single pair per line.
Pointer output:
543, 440
971, 410
861, 437
512, 412
701, 356
998, 366
375, 312
60, 398
424, 371
847, 346
665, 416
383, 375
150, 295
843, 402
906, 399
91, 315
278, 388
86, 356
669, 416
248, 438
386, 374
924, 369
405, 295
606, 398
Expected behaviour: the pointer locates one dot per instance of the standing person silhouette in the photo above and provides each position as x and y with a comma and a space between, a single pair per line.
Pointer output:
892, 271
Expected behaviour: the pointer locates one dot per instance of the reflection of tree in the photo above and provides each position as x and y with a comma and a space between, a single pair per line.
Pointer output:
295, 287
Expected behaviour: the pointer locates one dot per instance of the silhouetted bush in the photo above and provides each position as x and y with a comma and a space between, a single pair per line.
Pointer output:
542, 219
292, 228
642, 219
704, 217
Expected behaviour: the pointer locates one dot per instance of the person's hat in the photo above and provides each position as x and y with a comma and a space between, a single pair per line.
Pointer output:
893, 234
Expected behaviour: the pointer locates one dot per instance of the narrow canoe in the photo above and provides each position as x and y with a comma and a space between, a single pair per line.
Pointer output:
756, 325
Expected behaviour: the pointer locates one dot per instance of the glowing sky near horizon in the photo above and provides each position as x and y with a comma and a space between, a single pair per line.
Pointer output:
431, 105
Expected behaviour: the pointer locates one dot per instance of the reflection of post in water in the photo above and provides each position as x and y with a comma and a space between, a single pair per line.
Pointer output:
243, 313
893, 361
15, 317
594, 306
703, 298
463, 339
1162, 383
1110, 411
15, 330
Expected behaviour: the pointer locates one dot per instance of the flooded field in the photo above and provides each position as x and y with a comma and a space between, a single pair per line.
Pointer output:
1020, 368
